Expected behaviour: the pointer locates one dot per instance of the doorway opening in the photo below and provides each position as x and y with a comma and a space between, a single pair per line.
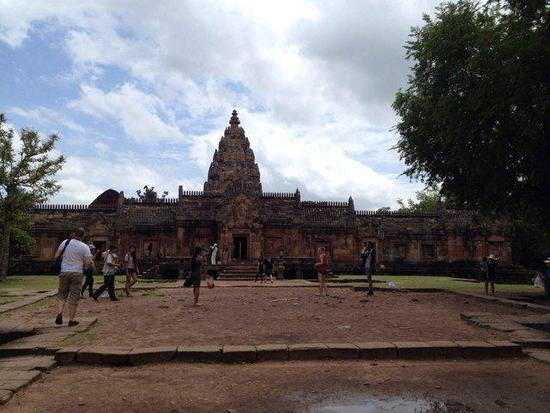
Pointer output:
240, 248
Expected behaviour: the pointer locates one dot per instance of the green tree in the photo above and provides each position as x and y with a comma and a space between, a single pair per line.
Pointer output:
475, 116
150, 194
427, 200
26, 178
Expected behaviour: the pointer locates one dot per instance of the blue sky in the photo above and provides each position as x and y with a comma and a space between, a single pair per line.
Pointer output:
141, 95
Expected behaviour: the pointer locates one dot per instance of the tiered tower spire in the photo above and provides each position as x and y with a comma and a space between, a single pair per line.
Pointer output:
233, 166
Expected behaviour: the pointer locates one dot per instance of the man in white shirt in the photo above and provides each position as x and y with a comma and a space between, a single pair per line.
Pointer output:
109, 271
75, 255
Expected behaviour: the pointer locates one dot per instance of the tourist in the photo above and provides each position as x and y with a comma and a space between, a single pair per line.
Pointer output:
483, 266
214, 254
490, 274
322, 269
194, 279
260, 270
75, 256
368, 260
547, 278
109, 270
89, 274
132, 271
213, 261
268, 268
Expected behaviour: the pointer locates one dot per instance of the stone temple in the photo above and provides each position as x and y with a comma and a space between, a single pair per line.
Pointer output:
249, 223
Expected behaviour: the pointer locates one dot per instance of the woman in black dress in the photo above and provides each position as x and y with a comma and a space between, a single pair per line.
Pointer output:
197, 264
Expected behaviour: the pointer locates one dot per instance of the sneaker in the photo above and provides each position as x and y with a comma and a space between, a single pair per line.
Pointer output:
94, 298
115, 299
73, 323
59, 319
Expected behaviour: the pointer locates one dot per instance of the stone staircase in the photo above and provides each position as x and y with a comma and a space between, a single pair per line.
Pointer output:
239, 272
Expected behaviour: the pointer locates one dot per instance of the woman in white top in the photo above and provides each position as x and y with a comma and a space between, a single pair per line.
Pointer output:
132, 271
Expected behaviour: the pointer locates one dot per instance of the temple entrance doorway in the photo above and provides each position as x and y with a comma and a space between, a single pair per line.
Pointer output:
240, 247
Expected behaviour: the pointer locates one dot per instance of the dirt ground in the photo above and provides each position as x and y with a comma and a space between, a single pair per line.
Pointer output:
331, 386
276, 315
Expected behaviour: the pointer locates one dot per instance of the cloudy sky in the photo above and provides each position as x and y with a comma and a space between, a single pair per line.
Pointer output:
140, 92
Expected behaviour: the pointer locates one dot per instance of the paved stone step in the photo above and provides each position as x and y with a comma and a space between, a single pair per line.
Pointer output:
542, 355
42, 363
302, 351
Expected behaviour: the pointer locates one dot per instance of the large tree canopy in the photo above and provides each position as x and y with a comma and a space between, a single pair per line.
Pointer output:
475, 115
27, 168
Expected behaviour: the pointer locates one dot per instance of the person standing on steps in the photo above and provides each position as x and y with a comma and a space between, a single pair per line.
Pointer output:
75, 256
109, 270
132, 270
322, 269
368, 261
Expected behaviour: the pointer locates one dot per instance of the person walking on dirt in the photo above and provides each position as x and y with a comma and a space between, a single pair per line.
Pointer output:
89, 273
132, 270
75, 256
490, 274
109, 270
368, 261
322, 268
194, 279
268, 268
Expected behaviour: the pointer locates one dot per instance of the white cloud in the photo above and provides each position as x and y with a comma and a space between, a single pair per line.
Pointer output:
138, 113
44, 117
325, 73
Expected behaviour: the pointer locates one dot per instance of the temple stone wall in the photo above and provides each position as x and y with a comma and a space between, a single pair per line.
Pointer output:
234, 211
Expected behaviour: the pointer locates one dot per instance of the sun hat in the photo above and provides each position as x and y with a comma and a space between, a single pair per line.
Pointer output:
547, 261
492, 257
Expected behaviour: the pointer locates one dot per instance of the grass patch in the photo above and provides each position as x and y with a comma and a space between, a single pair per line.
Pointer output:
50, 282
447, 283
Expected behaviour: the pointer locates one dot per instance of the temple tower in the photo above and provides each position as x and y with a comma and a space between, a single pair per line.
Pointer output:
233, 168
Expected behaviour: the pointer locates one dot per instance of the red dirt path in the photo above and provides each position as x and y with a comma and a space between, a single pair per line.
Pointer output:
277, 315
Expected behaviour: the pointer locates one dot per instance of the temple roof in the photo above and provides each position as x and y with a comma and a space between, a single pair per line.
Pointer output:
233, 167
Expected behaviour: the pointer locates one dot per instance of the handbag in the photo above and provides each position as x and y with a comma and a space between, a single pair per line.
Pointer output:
57, 263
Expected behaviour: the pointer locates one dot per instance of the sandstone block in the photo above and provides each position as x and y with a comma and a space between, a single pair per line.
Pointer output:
477, 349
67, 355
239, 354
103, 355
267, 352
199, 353
343, 351
373, 350
444, 349
507, 348
308, 351
151, 355
5, 395
414, 350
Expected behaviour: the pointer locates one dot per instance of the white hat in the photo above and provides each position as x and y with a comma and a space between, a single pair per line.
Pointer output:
492, 257
547, 261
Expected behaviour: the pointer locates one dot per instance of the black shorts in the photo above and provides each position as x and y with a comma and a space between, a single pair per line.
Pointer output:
131, 271
193, 280
490, 277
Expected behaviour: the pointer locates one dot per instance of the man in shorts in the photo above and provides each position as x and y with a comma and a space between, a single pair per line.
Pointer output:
75, 256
